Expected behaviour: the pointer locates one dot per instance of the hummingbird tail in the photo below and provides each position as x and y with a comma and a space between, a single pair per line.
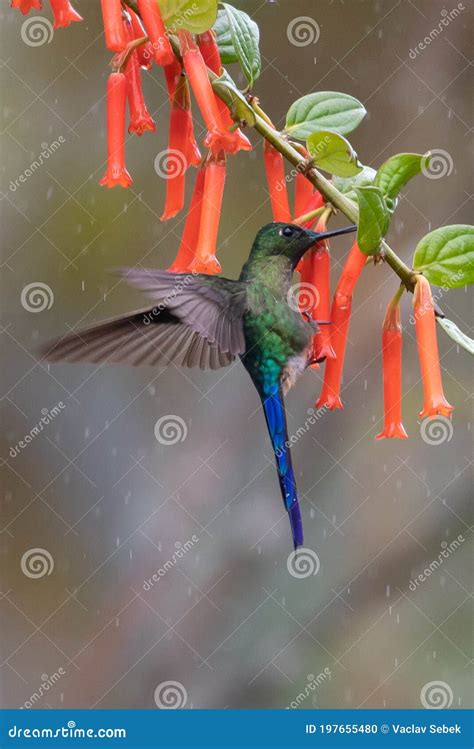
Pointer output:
274, 408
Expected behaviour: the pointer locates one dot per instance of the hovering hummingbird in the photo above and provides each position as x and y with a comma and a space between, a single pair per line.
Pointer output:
208, 321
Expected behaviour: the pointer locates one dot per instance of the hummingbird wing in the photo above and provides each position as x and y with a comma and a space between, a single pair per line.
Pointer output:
186, 327
211, 306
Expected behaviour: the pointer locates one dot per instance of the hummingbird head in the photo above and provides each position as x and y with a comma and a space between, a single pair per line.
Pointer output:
290, 241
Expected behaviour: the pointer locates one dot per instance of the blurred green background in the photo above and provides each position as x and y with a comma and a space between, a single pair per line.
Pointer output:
111, 504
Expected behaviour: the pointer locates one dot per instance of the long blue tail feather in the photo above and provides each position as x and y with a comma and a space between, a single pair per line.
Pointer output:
274, 408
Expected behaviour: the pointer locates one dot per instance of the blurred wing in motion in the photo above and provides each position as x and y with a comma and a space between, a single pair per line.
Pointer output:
196, 323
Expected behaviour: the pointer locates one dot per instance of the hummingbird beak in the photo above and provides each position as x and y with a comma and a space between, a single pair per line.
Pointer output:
335, 232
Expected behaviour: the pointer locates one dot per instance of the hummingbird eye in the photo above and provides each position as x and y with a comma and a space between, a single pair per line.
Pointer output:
287, 231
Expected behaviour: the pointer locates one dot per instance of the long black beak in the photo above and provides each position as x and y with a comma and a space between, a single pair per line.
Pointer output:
337, 232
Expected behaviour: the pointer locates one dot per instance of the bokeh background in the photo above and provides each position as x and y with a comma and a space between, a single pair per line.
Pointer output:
110, 504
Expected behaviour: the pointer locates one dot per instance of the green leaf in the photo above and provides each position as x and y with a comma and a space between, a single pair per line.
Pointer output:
373, 218
324, 110
456, 334
333, 153
446, 256
346, 185
394, 173
245, 36
196, 16
224, 38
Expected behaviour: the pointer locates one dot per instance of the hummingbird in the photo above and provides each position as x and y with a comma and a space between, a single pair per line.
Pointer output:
210, 321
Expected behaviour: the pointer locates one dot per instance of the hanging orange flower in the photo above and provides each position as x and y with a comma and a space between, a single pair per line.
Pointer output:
276, 181
156, 32
116, 173
392, 373
340, 318
425, 326
115, 36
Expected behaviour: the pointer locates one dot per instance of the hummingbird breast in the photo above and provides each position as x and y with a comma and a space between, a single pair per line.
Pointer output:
277, 339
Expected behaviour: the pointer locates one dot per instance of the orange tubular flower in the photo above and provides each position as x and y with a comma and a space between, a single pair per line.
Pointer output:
116, 173
340, 317
304, 192
181, 149
316, 273
140, 117
156, 32
392, 373
218, 138
275, 173
210, 53
144, 51
189, 240
63, 13
115, 37
205, 260
24, 6
425, 326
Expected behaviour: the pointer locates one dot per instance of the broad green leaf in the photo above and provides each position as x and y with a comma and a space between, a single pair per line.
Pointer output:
456, 334
196, 16
373, 218
324, 110
394, 173
333, 153
446, 256
245, 37
346, 185
224, 38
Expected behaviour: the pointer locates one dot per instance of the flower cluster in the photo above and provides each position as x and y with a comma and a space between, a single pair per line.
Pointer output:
329, 343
